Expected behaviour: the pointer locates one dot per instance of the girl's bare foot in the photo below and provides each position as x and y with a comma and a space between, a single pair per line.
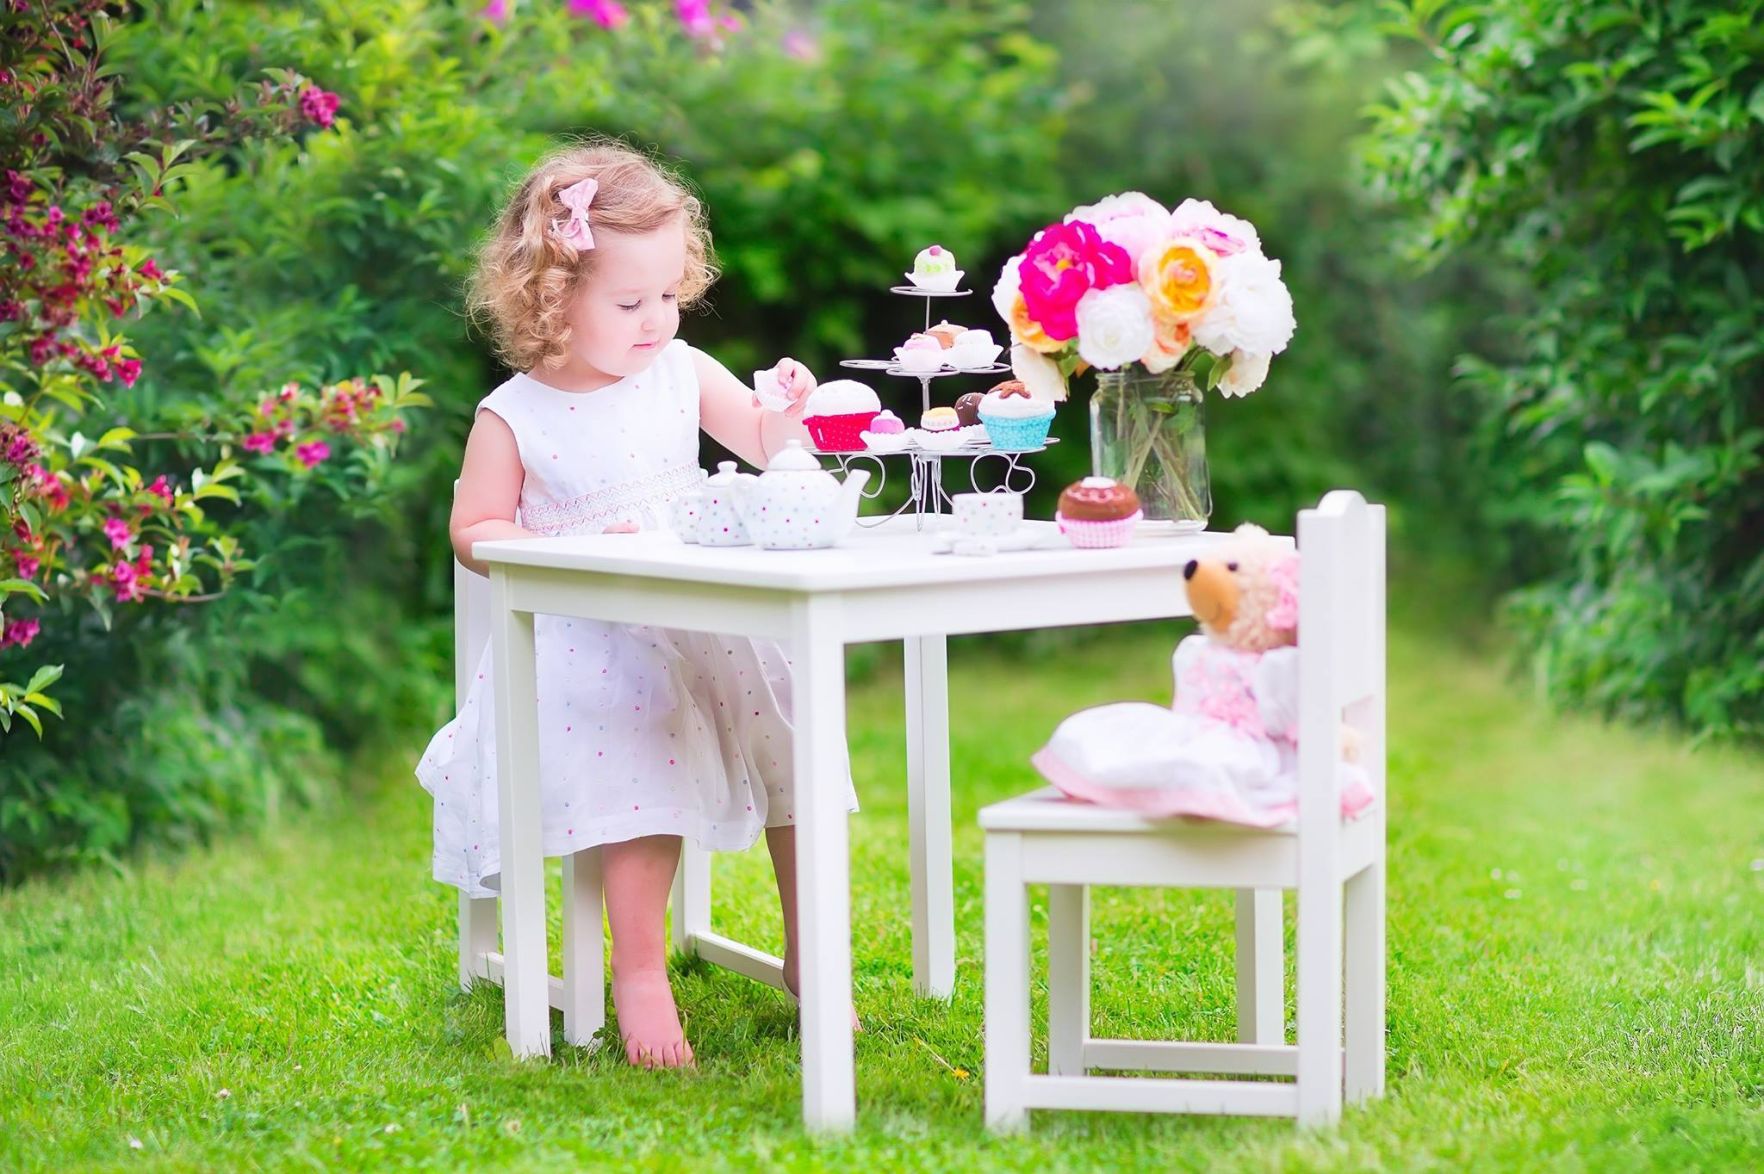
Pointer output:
649, 1023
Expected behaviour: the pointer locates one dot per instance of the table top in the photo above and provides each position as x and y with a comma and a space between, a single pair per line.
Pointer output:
894, 553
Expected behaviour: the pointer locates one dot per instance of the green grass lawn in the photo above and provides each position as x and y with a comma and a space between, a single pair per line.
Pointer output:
1576, 933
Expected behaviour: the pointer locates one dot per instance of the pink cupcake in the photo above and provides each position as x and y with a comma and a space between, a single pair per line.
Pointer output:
838, 412
1098, 512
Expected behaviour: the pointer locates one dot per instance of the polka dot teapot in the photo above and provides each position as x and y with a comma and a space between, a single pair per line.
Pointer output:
797, 505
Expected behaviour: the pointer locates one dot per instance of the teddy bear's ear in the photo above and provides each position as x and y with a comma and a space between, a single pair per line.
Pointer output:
1283, 613
1250, 530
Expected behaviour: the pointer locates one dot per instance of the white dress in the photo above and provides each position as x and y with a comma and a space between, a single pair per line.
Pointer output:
642, 730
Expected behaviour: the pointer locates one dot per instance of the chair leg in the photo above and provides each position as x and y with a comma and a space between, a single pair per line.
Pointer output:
584, 948
1319, 1003
1261, 968
1364, 946
691, 897
477, 937
1007, 983
1068, 978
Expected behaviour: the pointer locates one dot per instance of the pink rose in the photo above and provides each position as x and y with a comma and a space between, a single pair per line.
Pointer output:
1132, 220
1225, 234
1062, 264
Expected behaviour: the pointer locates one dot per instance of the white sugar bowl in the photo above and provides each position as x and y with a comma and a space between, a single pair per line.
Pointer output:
797, 505
719, 516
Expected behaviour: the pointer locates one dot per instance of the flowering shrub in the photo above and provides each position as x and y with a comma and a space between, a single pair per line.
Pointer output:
96, 509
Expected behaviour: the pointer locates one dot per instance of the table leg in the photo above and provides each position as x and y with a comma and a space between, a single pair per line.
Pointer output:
823, 866
927, 703
526, 997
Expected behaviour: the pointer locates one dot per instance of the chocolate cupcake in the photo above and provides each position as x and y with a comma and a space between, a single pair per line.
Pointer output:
967, 407
1098, 512
945, 333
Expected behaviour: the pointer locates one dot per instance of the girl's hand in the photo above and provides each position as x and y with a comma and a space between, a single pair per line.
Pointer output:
797, 382
622, 528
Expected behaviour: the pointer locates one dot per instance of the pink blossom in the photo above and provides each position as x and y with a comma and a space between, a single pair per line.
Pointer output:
161, 488
128, 370
800, 45
608, 14
496, 12
695, 18
20, 632
259, 442
118, 532
312, 454
1062, 264
126, 582
28, 566
319, 106
151, 271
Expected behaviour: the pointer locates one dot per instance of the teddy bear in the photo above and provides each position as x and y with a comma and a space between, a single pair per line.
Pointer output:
1226, 748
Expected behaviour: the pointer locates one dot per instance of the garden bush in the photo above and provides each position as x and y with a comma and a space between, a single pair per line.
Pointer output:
1613, 153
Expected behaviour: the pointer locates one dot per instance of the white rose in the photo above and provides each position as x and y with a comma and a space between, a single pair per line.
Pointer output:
1040, 374
1252, 310
1222, 232
1004, 294
1246, 373
1132, 220
1114, 326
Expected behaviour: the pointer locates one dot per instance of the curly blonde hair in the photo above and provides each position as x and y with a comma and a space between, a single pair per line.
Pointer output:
525, 277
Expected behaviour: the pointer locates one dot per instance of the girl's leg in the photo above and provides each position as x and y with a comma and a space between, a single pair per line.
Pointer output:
637, 875
781, 843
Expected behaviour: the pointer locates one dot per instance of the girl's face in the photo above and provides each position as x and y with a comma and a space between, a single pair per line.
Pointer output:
626, 309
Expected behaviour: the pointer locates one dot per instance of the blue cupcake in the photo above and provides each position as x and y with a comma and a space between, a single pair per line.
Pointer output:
1014, 419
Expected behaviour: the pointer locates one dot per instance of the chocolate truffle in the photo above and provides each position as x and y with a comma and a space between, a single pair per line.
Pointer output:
967, 408
1098, 499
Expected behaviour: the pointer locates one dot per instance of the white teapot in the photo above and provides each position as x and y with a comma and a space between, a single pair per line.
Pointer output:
719, 516
797, 505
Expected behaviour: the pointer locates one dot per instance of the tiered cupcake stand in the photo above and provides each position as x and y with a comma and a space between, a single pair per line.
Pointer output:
928, 496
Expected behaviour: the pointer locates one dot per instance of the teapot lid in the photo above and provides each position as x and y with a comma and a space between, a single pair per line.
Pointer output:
725, 474
793, 458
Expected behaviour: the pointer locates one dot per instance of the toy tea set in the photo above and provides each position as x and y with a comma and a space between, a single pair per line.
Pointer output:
797, 505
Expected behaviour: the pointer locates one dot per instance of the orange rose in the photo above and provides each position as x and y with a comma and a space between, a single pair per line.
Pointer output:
1170, 341
1027, 331
1178, 278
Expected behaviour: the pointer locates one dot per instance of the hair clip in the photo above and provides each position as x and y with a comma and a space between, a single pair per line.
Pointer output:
573, 229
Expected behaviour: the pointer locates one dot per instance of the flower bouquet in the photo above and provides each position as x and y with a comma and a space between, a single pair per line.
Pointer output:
1166, 306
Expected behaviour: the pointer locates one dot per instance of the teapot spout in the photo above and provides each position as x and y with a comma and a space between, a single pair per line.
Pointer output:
850, 498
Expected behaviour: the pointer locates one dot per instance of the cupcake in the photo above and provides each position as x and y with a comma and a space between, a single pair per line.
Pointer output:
973, 348
1014, 419
940, 420
967, 407
935, 269
887, 423
886, 433
919, 355
838, 412
1098, 512
946, 333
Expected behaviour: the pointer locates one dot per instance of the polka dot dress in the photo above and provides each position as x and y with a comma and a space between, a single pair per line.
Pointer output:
642, 730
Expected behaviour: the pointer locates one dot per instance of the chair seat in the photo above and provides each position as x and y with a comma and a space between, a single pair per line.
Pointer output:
1069, 841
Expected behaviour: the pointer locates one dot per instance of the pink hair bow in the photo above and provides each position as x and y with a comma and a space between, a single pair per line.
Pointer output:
573, 229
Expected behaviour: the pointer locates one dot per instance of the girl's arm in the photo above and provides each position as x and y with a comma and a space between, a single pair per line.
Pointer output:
489, 490
726, 410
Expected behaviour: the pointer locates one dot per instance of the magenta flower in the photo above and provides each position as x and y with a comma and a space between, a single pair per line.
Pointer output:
28, 566
608, 14
801, 45
695, 18
312, 454
1062, 264
126, 583
319, 106
259, 442
19, 632
150, 270
496, 12
161, 488
128, 370
118, 532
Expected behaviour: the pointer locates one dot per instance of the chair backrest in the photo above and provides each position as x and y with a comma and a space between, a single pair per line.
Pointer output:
471, 624
1341, 643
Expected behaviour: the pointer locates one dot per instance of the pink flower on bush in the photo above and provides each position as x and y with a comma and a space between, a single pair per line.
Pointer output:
128, 370
118, 532
126, 583
800, 45
259, 442
19, 632
312, 454
161, 488
27, 566
608, 14
496, 12
695, 18
1062, 264
319, 106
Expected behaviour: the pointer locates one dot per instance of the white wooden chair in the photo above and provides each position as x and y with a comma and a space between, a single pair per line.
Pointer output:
581, 992
1336, 866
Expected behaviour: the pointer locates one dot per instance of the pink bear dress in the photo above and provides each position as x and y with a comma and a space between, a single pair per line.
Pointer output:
1225, 749
642, 730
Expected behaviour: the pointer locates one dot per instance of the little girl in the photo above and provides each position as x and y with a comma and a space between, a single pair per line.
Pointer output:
646, 734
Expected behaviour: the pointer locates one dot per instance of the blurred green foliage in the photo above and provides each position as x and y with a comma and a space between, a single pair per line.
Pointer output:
1613, 153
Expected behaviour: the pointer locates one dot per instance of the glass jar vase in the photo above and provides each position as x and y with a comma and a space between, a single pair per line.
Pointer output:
1149, 432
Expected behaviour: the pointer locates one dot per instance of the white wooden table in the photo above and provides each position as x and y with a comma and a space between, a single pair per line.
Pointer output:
880, 584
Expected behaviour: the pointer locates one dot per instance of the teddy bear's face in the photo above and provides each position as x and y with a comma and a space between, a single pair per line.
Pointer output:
1246, 595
